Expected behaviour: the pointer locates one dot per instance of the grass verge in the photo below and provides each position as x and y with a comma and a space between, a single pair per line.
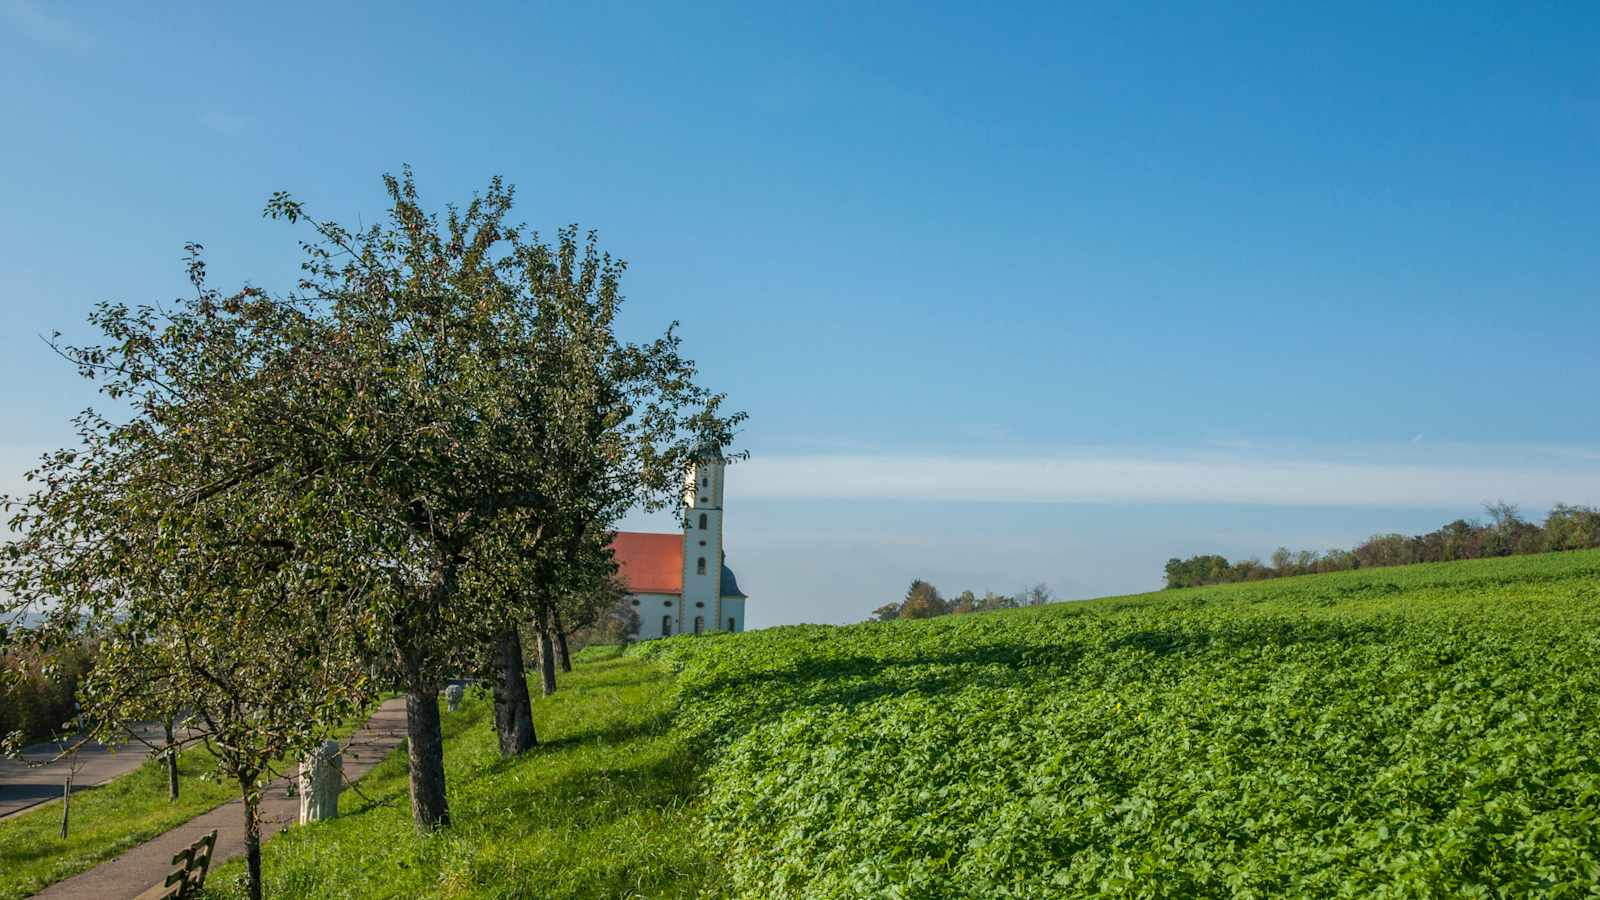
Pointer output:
604, 807
106, 820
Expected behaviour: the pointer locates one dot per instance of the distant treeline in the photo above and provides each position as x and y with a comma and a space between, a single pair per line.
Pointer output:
923, 601
1505, 534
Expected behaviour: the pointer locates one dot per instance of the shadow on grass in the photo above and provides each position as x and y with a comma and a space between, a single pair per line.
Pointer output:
854, 680
610, 735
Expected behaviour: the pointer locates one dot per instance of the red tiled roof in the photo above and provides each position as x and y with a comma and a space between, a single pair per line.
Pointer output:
649, 563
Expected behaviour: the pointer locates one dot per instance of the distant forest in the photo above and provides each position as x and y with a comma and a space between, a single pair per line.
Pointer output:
923, 601
1505, 534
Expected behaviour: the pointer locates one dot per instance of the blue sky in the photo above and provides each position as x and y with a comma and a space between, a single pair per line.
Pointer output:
1043, 293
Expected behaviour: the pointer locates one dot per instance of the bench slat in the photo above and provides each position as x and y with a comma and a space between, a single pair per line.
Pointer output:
190, 875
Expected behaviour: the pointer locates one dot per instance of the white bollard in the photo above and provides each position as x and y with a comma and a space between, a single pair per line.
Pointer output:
321, 779
452, 696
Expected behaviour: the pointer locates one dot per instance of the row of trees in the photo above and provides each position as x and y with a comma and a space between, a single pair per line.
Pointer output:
371, 481
1506, 533
923, 601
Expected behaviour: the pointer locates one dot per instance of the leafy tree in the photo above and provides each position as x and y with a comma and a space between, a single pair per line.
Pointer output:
922, 601
180, 538
887, 612
592, 607
603, 614
472, 389
993, 601
1571, 528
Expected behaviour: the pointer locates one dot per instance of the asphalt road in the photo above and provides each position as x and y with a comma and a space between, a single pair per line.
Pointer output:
22, 787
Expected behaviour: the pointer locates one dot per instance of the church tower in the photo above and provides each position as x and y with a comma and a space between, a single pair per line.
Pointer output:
702, 608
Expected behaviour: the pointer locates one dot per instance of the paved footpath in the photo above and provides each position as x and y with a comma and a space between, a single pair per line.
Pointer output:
148, 864
23, 787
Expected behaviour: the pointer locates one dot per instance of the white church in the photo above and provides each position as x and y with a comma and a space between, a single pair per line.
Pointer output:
681, 582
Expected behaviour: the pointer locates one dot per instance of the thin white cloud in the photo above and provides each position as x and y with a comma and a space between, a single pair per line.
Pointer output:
1106, 478
44, 26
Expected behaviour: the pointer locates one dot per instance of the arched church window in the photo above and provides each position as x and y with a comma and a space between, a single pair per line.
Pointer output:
704, 481
699, 624
700, 566
666, 626
702, 521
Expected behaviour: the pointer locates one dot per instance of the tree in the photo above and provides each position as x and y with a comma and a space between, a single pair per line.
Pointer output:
1571, 528
179, 542
887, 612
464, 368
993, 601
597, 610
922, 601
602, 614
1038, 595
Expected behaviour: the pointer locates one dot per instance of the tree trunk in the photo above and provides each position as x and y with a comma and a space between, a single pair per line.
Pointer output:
547, 662
172, 762
425, 753
561, 643
66, 797
252, 836
513, 709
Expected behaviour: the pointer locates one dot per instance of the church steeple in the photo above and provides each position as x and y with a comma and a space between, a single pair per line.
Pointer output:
701, 608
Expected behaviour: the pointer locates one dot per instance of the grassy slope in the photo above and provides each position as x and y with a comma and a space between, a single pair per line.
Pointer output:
106, 820
601, 809
1415, 731
1401, 732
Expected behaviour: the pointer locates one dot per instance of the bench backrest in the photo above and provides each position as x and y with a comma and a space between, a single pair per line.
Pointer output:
192, 865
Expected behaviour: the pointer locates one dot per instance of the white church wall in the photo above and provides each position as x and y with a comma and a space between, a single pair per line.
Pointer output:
732, 614
652, 610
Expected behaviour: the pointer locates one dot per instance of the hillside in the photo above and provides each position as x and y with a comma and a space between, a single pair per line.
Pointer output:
1407, 731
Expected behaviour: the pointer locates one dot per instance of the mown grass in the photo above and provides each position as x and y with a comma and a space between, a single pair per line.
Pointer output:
106, 820
604, 807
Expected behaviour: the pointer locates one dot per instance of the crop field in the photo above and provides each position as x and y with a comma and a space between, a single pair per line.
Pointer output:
1428, 730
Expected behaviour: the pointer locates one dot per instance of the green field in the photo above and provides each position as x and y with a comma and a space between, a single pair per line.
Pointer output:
1427, 730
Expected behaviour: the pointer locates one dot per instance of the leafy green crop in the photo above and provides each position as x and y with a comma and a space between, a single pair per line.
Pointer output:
1421, 731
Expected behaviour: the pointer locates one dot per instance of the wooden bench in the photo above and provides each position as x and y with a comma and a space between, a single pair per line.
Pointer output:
190, 874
